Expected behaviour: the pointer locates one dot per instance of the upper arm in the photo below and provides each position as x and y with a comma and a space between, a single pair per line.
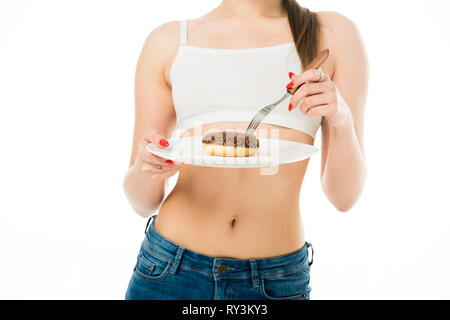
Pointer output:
348, 70
153, 99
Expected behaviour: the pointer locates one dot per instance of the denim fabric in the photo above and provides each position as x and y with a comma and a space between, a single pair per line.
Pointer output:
167, 271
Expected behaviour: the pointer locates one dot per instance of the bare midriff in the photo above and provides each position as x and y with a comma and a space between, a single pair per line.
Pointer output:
237, 213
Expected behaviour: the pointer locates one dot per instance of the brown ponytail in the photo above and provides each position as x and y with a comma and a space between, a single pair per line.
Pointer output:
305, 30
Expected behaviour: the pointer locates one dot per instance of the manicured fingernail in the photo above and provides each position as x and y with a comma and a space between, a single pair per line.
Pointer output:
164, 143
290, 85
290, 107
291, 74
170, 162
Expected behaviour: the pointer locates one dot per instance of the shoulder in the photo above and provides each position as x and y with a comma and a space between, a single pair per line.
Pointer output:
160, 48
340, 34
336, 25
163, 37
338, 31
335, 19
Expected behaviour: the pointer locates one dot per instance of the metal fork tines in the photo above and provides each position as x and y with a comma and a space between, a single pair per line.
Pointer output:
262, 114
315, 64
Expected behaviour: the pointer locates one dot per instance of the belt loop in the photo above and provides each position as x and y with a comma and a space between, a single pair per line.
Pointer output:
176, 263
148, 222
309, 245
255, 276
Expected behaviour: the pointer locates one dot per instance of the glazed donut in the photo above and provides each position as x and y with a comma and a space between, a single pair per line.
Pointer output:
230, 144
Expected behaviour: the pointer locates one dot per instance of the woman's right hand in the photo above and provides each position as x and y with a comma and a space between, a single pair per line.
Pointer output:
146, 161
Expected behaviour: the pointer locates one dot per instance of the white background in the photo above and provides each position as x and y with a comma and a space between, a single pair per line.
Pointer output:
66, 120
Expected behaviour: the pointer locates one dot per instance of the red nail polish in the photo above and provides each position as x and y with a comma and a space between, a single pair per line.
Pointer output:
164, 143
290, 85
291, 74
170, 162
290, 107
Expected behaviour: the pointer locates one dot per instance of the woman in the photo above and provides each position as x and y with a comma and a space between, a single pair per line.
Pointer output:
237, 233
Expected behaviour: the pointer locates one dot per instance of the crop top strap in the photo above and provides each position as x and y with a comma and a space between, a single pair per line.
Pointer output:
183, 32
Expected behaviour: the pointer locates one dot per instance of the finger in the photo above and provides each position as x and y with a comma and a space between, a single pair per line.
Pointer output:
314, 101
157, 168
147, 156
326, 77
311, 75
323, 110
157, 138
307, 90
165, 174
153, 168
320, 76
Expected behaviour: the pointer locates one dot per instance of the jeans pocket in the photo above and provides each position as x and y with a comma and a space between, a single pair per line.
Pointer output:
150, 267
292, 286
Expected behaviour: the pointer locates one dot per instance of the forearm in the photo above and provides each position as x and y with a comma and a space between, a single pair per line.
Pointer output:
345, 171
144, 193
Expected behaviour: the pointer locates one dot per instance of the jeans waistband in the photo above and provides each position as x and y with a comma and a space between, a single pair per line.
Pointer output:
220, 267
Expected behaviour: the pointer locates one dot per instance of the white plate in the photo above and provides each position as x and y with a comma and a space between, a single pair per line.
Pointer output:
271, 152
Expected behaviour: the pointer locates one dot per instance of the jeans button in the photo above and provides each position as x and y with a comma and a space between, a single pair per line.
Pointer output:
221, 268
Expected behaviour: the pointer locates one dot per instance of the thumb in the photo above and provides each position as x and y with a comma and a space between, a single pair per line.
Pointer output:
157, 138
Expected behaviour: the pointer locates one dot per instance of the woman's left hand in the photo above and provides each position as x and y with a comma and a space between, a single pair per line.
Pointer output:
320, 97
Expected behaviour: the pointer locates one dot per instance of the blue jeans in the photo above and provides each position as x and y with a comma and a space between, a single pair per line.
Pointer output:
167, 271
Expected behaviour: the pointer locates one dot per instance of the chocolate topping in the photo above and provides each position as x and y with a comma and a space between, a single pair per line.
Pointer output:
234, 139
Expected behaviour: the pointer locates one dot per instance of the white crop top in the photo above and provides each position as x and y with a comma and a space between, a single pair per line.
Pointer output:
226, 85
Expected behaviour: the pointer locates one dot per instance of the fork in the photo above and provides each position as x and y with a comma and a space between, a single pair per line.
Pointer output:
315, 64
